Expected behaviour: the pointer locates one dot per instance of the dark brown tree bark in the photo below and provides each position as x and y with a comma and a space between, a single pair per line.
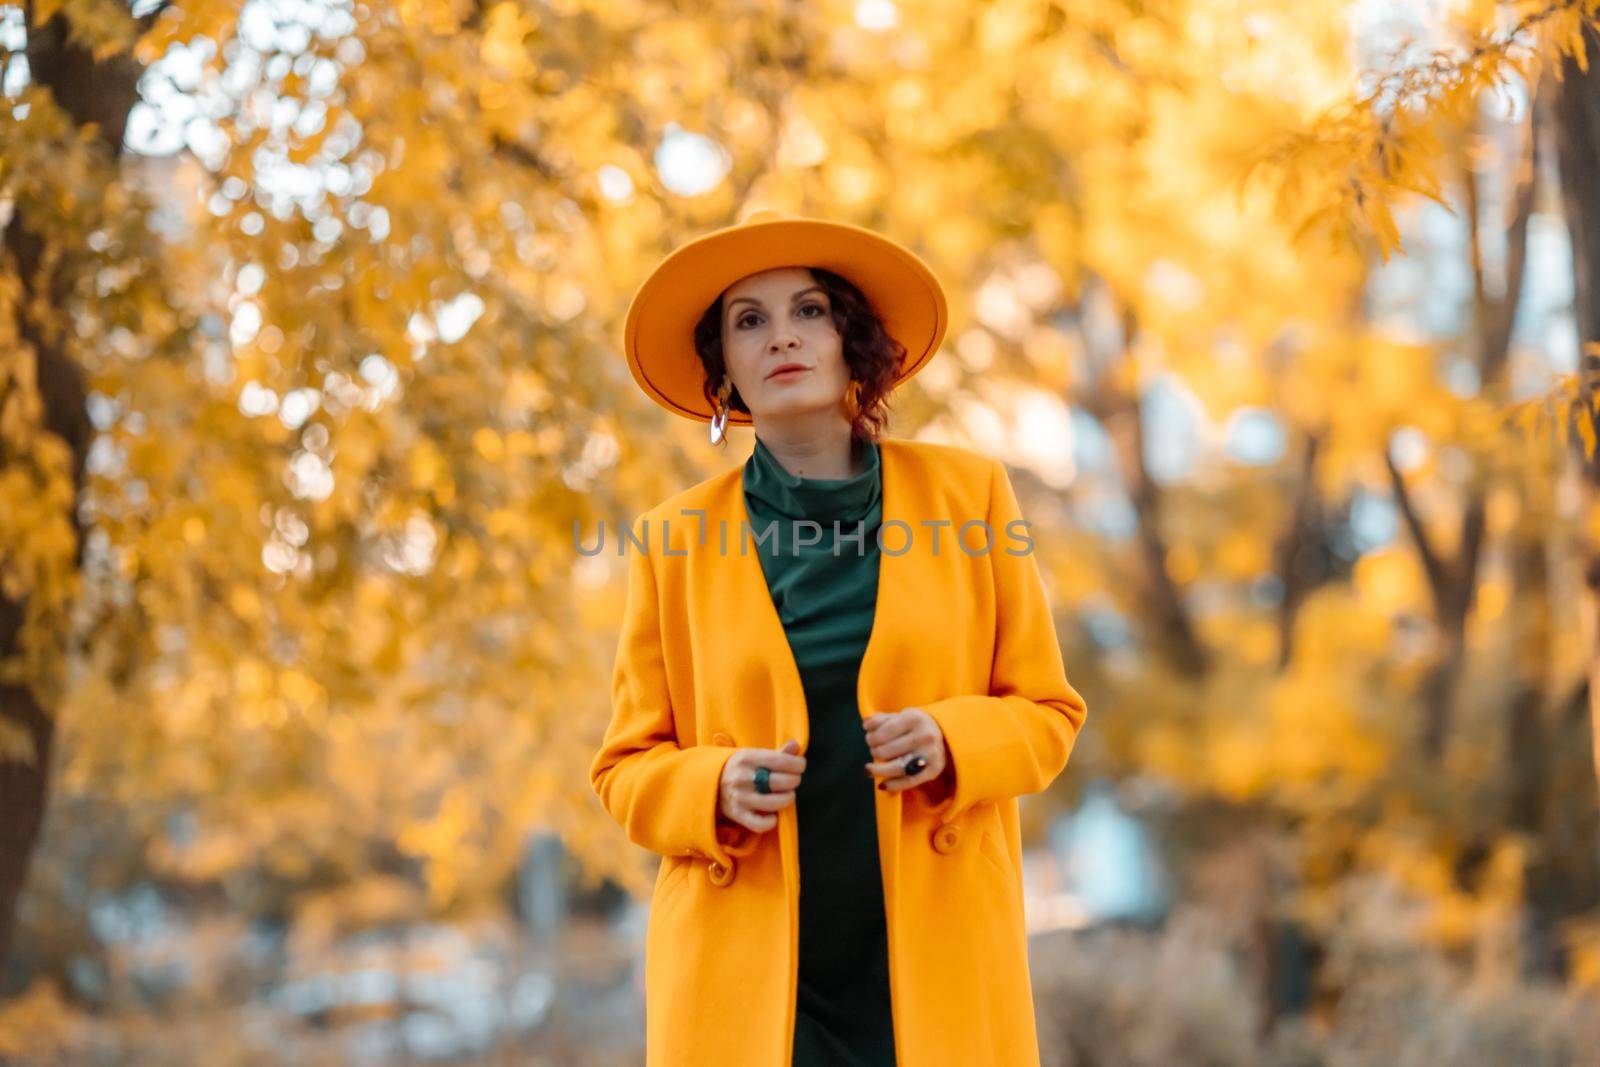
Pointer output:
102, 94
1578, 145
1304, 557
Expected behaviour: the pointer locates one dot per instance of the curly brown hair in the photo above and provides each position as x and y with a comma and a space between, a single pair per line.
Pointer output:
873, 356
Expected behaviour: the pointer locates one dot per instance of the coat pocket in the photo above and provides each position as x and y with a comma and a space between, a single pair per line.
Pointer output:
669, 890
995, 854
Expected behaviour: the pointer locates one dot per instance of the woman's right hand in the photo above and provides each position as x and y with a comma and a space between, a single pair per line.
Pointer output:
737, 799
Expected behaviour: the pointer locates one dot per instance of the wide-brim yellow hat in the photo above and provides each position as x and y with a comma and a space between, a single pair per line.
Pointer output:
658, 335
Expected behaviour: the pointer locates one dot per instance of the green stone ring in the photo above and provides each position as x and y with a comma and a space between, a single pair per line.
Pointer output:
763, 780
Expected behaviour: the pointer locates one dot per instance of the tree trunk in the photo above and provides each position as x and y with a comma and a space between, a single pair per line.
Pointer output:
1578, 141
24, 787
90, 92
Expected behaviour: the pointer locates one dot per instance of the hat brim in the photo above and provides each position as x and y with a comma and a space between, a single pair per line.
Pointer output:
658, 335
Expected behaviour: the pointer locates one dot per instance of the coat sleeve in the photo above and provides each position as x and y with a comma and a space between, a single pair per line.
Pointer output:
1016, 738
663, 795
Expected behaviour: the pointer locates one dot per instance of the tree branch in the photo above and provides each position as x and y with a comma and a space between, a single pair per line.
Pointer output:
1432, 565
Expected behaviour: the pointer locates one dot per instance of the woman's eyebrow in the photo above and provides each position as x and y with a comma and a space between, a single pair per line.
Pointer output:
796, 296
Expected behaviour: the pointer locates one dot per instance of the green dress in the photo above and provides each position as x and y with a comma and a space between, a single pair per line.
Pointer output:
826, 597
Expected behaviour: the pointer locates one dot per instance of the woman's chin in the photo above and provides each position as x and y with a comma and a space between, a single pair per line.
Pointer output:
796, 406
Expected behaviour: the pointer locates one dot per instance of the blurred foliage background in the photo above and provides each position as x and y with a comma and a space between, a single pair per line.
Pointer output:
1285, 316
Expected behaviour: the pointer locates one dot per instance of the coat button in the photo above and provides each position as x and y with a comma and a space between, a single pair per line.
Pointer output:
946, 838
720, 738
719, 874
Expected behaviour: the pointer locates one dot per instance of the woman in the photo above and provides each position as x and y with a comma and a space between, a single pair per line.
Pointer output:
801, 917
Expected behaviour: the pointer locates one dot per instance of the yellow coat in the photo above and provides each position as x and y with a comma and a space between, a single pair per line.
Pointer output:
704, 666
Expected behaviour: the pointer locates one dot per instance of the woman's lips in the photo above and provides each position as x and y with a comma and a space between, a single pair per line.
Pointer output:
785, 375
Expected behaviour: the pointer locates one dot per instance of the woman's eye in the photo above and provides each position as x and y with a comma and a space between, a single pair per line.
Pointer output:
745, 320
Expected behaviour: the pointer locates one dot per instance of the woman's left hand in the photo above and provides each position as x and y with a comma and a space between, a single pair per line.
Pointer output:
894, 737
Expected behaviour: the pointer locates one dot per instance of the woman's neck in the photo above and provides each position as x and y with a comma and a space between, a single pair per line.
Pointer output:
810, 452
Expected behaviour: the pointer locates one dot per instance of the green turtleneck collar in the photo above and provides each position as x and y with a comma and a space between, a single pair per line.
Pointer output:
776, 491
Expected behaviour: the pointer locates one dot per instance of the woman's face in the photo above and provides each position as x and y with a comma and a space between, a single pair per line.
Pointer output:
776, 319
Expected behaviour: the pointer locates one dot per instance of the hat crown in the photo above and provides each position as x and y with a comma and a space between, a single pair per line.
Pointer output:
766, 214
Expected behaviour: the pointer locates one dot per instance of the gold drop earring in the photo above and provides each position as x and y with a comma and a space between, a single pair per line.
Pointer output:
852, 398
719, 410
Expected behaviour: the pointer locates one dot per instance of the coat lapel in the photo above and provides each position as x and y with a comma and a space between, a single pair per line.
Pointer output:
897, 570
758, 625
